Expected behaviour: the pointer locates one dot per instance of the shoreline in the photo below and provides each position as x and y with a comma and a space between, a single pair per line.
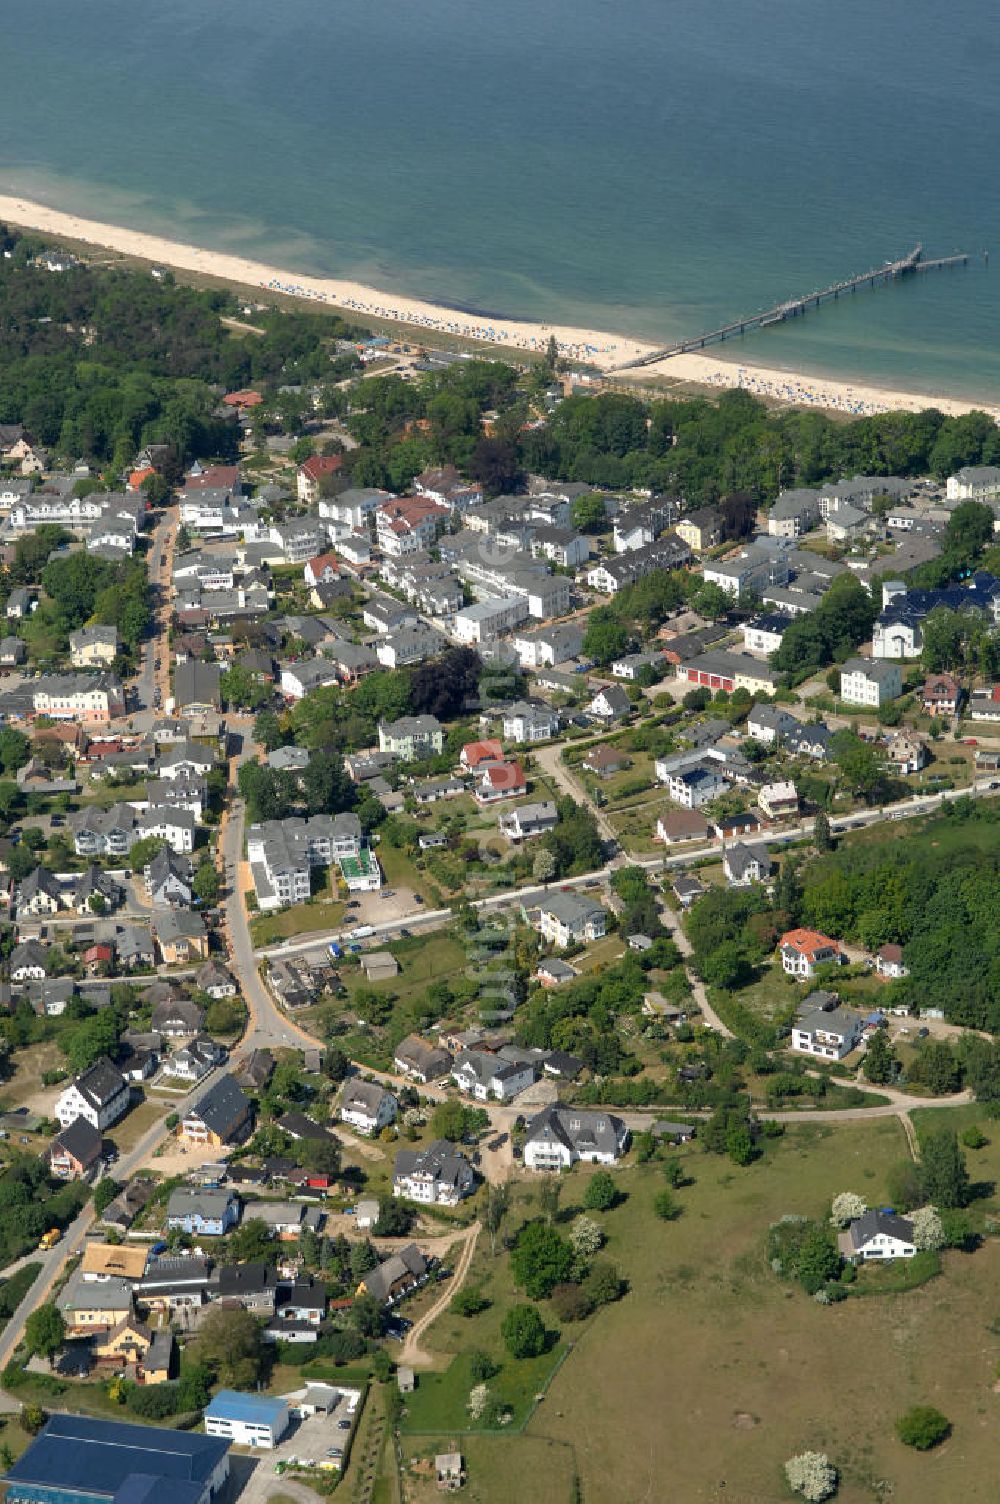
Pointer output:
598, 348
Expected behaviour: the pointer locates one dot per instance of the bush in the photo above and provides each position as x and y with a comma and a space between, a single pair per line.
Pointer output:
470, 1301
666, 1206
811, 1475
571, 1302
523, 1332
601, 1193
923, 1427
974, 1138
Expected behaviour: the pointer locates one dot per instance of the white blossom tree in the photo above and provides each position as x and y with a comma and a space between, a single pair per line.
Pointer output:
928, 1229
812, 1475
479, 1398
846, 1208
586, 1236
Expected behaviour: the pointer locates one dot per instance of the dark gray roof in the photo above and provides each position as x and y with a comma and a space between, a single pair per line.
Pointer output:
874, 1222
221, 1105
577, 1129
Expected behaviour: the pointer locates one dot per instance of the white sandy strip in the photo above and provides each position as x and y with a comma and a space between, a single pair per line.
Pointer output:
594, 347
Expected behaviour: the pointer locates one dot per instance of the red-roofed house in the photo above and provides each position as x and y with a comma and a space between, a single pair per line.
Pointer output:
941, 694
96, 958
500, 780
317, 467
322, 570
213, 478
490, 750
803, 950
243, 400
408, 524
135, 480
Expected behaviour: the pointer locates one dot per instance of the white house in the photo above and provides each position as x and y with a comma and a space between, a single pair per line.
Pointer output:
525, 722
438, 1175
367, 1107
251, 1420
484, 1076
560, 1136
878, 1235
889, 961
803, 950
865, 682
693, 787
974, 483
484, 620
829, 1035
763, 634
779, 800
567, 917
100, 1095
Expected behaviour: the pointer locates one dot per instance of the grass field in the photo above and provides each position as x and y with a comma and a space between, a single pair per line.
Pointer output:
499, 1469
711, 1372
300, 919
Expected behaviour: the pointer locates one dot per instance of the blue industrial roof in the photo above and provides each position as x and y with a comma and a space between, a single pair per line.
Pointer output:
229, 1404
98, 1456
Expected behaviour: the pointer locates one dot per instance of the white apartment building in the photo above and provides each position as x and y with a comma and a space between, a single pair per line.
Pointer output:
100, 1095
974, 483
866, 682
487, 619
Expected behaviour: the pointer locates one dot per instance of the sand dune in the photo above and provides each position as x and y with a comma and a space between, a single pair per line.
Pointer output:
594, 347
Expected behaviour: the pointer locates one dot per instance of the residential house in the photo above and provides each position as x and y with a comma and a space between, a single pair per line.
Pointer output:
215, 980
180, 936
566, 918
254, 1286
552, 972
168, 880
907, 752
687, 888
366, 1106
283, 1219
484, 1076
100, 1095
177, 1018
610, 704
421, 1061
828, 1034
488, 619
779, 800
547, 646
205, 1214
745, 865
763, 634
412, 737
700, 529
793, 513
499, 780
878, 1235
526, 721
197, 686
560, 1136
40, 893
528, 820
75, 1151
312, 474
194, 1062
89, 1307
490, 749
396, 1276
974, 483
748, 571
863, 681
802, 951
941, 694
889, 961
222, 1115
692, 787
678, 825
605, 760
93, 647
438, 1175
769, 724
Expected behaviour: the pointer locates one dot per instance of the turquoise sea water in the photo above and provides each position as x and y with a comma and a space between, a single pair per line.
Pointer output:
653, 166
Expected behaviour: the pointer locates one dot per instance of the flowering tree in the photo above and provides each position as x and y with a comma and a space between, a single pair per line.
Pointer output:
846, 1208
586, 1236
812, 1475
478, 1400
928, 1229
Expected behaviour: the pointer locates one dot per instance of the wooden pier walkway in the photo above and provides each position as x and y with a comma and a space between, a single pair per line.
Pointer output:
795, 307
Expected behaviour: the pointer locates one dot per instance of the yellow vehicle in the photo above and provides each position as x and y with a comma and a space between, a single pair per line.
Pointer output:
50, 1239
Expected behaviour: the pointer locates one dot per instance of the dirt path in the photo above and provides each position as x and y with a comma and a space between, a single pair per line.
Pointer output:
911, 1135
549, 759
411, 1352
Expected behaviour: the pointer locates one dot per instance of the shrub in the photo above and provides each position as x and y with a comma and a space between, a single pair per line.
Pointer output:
928, 1229
601, 1193
604, 1284
571, 1302
811, 1475
586, 1236
482, 1366
470, 1301
923, 1427
523, 1332
847, 1207
974, 1138
666, 1206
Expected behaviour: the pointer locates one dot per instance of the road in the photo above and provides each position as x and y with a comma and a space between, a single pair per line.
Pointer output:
157, 647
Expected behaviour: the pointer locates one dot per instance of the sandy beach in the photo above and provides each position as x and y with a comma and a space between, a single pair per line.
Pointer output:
597, 348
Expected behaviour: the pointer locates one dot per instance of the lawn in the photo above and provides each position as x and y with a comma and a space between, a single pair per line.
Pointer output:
759, 1369
299, 919
498, 1469
126, 1134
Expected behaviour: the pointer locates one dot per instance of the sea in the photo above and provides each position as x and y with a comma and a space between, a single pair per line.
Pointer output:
654, 167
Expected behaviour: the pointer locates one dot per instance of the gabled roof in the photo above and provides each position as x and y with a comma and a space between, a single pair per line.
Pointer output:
866, 1227
100, 1084
576, 1129
80, 1140
221, 1106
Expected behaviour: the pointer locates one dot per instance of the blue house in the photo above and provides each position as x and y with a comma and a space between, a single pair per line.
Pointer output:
205, 1213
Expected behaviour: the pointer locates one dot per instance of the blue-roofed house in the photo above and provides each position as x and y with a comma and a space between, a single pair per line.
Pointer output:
253, 1420
77, 1459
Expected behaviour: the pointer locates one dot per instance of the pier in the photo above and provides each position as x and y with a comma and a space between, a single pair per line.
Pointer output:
891, 271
